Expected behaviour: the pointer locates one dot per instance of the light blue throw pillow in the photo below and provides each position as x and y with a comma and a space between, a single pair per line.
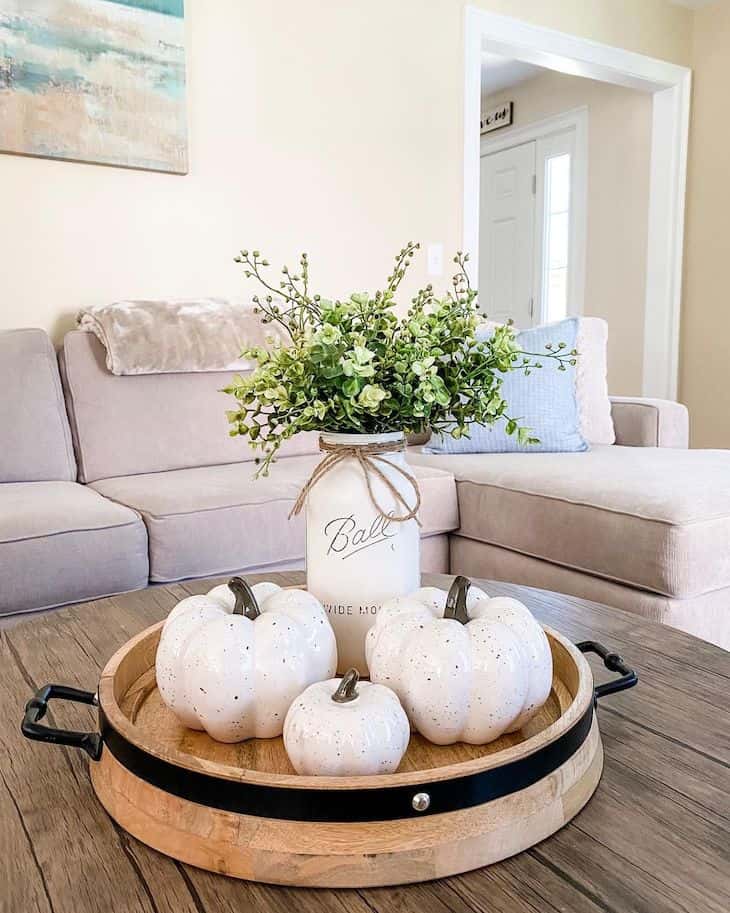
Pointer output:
544, 401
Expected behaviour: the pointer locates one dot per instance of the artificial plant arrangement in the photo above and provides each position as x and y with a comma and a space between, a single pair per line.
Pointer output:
356, 366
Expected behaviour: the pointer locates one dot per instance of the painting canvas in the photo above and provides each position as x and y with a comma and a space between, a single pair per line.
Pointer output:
94, 81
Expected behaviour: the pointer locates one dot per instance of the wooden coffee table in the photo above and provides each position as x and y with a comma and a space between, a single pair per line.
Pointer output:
655, 837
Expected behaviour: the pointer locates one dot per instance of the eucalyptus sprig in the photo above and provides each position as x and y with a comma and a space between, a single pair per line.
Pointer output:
354, 366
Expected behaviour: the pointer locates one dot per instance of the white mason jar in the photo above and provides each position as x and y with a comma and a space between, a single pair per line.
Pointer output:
356, 558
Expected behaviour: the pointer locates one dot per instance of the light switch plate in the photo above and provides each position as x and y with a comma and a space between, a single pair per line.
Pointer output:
435, 259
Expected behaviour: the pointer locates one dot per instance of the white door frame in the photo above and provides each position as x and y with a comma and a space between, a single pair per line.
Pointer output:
670, 86
575, 119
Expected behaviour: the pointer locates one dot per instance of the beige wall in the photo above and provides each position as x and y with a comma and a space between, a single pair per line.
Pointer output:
619, 153
330, 126
705, 327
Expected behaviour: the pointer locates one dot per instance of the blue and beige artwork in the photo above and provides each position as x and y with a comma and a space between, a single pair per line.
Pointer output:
94, 81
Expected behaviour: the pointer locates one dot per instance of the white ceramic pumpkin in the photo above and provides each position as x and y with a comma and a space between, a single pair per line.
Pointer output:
466, 667
339, 729
232, 661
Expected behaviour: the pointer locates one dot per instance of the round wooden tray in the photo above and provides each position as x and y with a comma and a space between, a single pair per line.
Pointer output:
242, 811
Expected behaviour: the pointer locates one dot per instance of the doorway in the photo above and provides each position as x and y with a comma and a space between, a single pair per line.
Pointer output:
668, 87
532, 221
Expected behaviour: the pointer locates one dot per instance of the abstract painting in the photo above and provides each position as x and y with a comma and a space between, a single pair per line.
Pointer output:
94, 81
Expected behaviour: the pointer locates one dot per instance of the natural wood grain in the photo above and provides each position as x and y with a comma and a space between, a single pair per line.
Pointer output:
619, 855
65, 817
335, 854
133, 706
143, 707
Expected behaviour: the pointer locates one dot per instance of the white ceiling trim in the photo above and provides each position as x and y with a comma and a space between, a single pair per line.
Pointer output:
503, 72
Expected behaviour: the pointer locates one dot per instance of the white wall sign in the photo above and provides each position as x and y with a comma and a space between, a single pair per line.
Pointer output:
496, 118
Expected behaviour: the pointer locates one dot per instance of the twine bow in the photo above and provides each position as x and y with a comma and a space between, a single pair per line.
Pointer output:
368, 456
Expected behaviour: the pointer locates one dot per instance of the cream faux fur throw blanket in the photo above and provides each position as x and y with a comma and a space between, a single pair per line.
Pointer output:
180, 335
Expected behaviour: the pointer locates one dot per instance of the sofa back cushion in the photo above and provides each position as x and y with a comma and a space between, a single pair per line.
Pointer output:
125, 425
591, 387
35, 438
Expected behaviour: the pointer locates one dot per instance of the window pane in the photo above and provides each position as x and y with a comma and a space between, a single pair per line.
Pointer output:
558, 183
557, 237
557, 294
557, 252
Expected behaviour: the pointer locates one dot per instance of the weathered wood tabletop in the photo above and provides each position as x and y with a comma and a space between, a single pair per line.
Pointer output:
655, 837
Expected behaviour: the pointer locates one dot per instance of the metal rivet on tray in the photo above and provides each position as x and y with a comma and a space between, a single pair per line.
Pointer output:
421, 802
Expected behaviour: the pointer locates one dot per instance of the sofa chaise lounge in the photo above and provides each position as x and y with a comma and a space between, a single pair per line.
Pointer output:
136, 480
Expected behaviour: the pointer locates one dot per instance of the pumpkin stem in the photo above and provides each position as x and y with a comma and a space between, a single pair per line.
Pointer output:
347, 689
245, 600
456, 600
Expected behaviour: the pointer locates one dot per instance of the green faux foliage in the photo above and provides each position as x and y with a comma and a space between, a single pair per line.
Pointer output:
354, 366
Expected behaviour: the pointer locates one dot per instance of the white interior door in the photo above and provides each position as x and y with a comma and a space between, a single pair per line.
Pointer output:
507, 234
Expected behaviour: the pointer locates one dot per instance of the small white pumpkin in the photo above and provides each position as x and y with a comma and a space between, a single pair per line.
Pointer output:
465, 667
340, 729
232, 661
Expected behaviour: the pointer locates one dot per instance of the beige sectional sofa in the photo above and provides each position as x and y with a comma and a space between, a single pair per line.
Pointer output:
59, 541
159, 443
163, 494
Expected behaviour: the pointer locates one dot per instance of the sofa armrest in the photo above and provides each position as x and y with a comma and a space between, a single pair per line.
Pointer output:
642, 422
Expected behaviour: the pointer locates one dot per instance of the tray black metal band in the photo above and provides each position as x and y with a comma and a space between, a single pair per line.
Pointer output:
347, 805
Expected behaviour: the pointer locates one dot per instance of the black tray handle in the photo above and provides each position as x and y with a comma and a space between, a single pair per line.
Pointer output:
613, 662
36, 709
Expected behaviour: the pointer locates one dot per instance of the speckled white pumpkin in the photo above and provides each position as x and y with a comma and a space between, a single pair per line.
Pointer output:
436, 597
234, 672
470, 677
537, 656
341, 728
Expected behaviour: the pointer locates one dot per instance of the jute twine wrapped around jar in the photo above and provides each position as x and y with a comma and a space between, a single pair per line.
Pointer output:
368, 456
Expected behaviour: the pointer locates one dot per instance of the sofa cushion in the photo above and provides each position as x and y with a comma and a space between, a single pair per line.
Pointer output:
36, 439
704, 616
652, 518
217, 519
151, 422
591, 381
61, 542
